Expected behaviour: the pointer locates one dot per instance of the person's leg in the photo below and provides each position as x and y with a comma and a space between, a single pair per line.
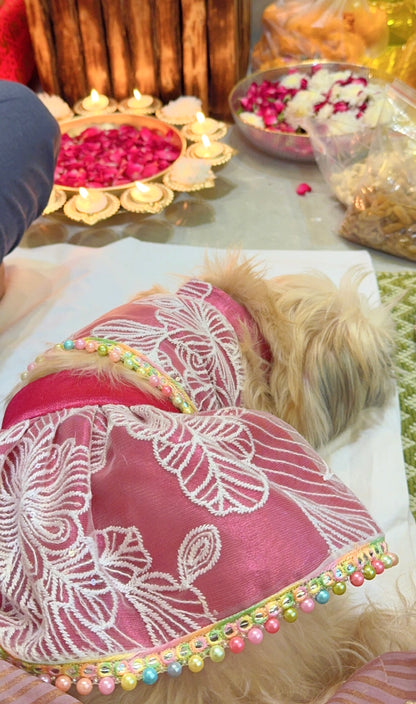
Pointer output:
2, 279
29, 145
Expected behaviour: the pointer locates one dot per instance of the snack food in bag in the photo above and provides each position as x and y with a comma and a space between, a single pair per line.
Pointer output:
334, 30
382, 214
341, 140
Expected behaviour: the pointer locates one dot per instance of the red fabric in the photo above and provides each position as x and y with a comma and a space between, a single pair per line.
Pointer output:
69, 390
17, 61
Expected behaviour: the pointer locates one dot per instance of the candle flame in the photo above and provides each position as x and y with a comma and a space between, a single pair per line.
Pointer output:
83, 192
200, 117
94, 96
141, 187
205, 140
137, 94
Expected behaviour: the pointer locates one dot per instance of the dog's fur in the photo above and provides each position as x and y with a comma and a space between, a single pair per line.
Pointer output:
331, 351
305, 663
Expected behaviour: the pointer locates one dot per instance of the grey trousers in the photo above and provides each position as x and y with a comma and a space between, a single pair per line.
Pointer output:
29, 145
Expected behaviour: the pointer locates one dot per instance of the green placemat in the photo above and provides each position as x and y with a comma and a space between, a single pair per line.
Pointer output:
404, 314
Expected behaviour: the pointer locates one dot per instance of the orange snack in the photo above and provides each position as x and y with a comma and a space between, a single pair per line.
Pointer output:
299, 31
343, 46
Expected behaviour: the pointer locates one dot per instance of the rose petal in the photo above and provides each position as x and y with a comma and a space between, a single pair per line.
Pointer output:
303, 188
103, 158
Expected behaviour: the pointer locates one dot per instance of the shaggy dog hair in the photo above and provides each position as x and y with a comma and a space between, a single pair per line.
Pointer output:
331, 351
305, 663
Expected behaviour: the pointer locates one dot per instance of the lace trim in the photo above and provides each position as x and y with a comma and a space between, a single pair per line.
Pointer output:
360, 564
134, 361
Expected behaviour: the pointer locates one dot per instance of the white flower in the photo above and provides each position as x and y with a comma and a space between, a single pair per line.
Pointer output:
251, 118
324, 113
343, 123
292, 80
182, 107
191, 171
377, 112
341, 76
56, 105
347, 102
353, 93
301, 105
323, 80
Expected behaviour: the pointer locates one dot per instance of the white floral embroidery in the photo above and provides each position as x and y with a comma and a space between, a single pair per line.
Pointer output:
212, 456
163, 601
185, 336
58, 578
198, 553
15, 433
122, 555
323, 503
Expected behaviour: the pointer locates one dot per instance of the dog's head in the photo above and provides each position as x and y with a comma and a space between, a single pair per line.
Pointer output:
332, 353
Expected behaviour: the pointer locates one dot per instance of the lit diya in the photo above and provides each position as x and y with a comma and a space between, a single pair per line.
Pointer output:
91, 206
140, 103
95, 103
202, 125
146, 198
215, 152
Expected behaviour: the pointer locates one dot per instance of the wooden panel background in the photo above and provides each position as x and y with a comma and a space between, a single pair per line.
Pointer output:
165, 48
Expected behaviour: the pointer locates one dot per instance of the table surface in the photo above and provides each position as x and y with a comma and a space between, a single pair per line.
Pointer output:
253, 205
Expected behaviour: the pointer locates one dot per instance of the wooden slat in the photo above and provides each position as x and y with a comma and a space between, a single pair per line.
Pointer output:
118, 48
224, 60
143, 50
43, 44
93, 38
69, 51
168, 33
244, 32
195, 50
166, 48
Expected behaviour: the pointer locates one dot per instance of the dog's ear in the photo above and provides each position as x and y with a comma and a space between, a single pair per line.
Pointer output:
336, 357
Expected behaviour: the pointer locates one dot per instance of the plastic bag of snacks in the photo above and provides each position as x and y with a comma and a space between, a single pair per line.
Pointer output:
341, 132
382, 214
337, 30
341, 159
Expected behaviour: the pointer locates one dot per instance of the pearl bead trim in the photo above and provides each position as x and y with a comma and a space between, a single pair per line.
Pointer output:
136, 362
212, 642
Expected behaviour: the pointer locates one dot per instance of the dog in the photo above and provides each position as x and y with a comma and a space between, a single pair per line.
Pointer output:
314, 355
162, 501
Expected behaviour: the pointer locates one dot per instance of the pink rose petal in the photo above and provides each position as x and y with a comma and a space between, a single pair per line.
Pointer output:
303, 188
103, 158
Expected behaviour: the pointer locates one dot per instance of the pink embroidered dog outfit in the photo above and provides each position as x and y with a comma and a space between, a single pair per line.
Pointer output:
136, 540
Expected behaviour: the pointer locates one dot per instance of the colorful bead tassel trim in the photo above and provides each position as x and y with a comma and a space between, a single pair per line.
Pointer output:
211, 642
137, 362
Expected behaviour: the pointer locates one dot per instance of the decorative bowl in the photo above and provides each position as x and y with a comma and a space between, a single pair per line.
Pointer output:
108, 121
284, 145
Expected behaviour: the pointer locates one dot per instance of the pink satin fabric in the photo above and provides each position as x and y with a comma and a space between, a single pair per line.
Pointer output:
238, 317
71, 390
389, 679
